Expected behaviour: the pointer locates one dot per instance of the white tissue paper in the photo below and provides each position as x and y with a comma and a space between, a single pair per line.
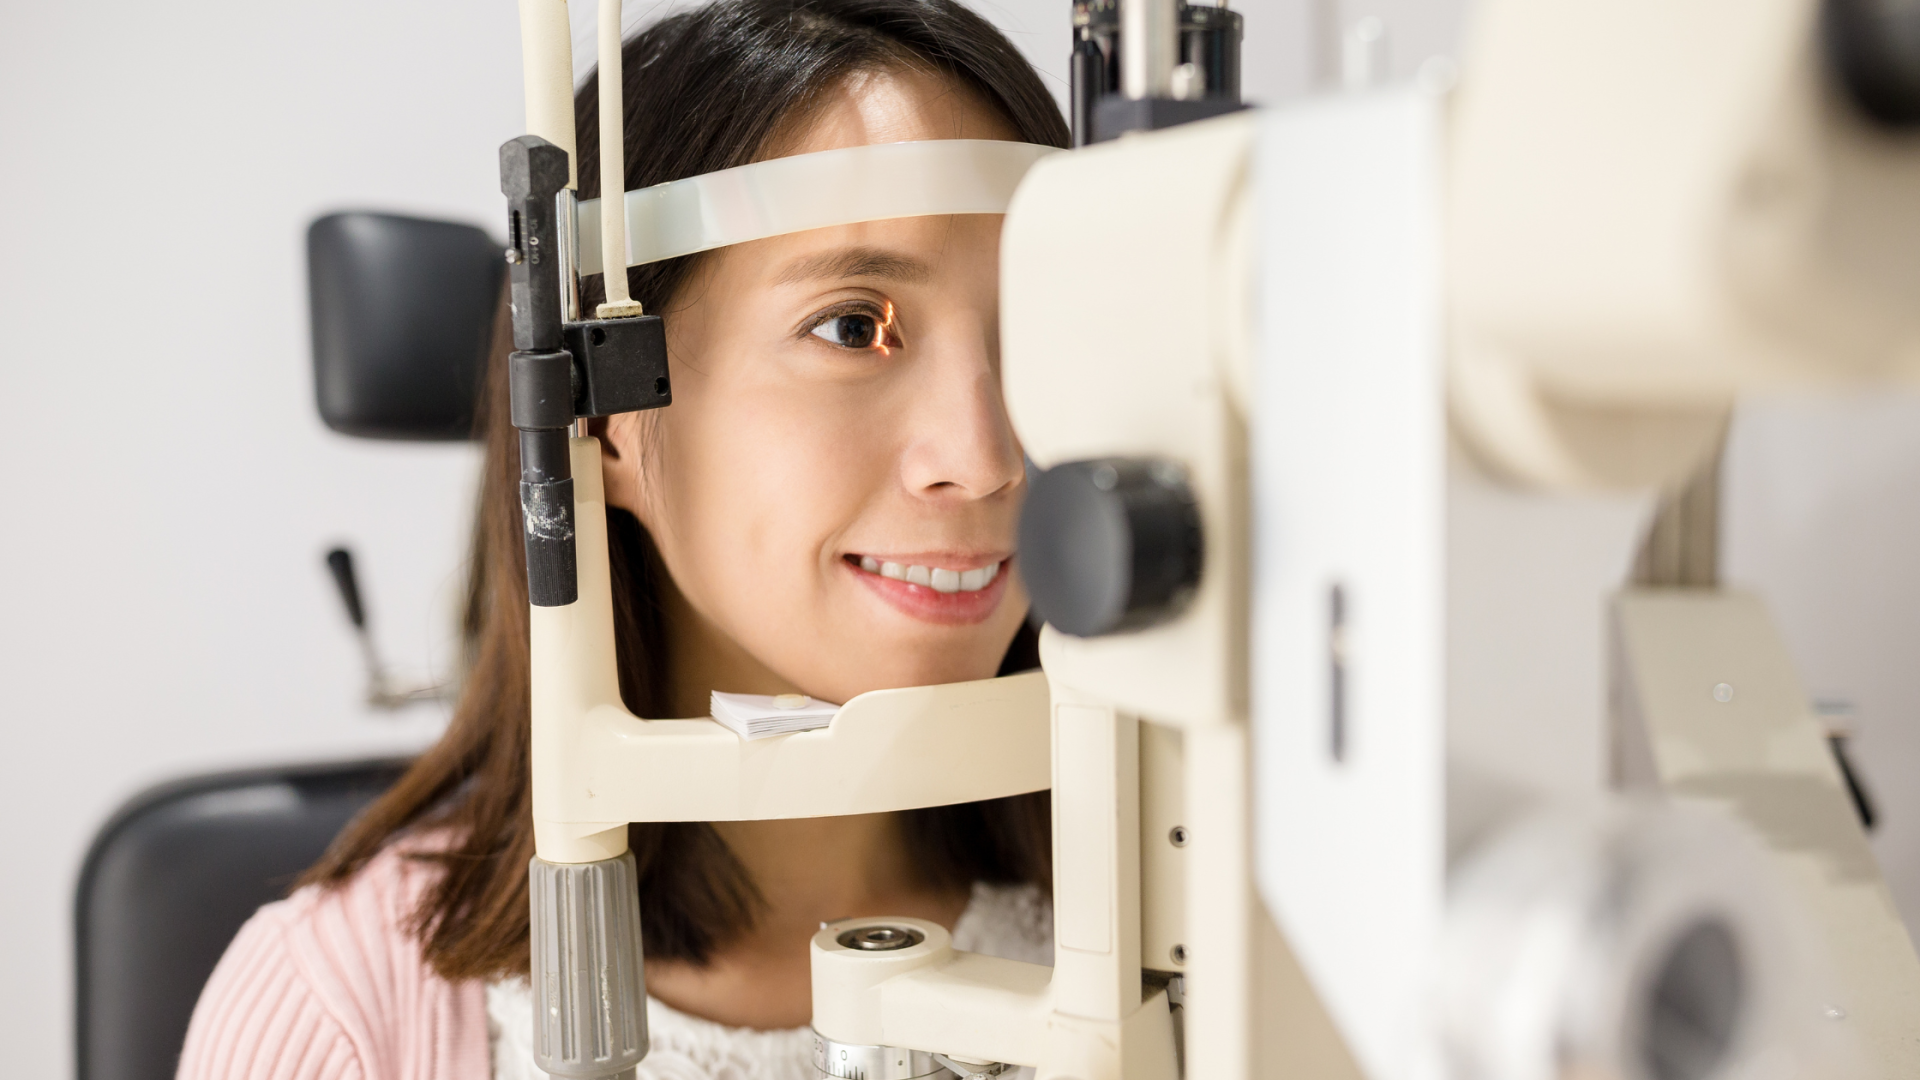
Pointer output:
757, 716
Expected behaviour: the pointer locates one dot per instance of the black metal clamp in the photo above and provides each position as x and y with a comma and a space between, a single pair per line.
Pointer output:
561, 371
1209, 40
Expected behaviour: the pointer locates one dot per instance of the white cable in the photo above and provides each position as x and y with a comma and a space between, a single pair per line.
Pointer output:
613, 159
813, 191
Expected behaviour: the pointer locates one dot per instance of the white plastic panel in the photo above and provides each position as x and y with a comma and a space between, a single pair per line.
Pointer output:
1349, 474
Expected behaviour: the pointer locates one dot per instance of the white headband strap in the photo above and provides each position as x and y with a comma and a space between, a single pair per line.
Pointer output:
813, 191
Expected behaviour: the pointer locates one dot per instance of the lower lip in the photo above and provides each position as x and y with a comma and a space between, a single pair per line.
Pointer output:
930, 605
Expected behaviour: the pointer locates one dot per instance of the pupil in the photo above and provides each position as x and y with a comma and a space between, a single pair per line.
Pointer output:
857, 331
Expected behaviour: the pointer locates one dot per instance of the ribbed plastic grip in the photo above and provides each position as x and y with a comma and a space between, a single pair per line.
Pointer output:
589, 992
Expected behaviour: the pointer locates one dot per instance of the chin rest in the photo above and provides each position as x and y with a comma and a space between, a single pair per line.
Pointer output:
403, 313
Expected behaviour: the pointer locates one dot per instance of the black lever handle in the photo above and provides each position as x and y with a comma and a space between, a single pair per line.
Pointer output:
340, 562
1862, 801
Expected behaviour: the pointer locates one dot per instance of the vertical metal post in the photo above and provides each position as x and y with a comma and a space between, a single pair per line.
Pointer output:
589, 987
1149, 47
540, 374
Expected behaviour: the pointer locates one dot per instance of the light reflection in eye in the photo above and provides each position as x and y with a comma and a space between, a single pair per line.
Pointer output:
886, 332
859, 330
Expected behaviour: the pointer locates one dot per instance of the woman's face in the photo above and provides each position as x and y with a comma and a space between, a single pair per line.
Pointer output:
835, 487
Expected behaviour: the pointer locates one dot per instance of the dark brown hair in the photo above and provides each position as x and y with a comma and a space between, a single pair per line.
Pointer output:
706, 89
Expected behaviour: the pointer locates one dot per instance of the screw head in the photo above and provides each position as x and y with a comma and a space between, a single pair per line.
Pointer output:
1179, 954
1177, 836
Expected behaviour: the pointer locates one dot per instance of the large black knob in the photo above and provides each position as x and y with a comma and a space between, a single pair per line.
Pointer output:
1873, 46
1111, 544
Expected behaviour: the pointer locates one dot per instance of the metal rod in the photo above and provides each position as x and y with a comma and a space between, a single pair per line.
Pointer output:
613, 170
567, 211
1149, 47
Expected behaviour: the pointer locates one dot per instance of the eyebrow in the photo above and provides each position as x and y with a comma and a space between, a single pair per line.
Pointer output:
854, 263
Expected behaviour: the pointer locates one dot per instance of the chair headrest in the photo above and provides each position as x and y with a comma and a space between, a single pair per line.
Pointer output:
403, 314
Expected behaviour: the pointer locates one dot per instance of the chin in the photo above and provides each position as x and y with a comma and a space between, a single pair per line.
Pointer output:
930, 668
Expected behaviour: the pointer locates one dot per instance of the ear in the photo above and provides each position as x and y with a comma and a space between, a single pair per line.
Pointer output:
621, 439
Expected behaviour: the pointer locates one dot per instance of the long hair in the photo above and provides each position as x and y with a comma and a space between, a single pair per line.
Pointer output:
704, 90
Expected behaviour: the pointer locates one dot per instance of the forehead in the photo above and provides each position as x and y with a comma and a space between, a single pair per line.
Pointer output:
918, 251
894, 105
889, 105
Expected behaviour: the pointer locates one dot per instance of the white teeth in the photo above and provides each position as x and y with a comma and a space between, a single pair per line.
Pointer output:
937, 578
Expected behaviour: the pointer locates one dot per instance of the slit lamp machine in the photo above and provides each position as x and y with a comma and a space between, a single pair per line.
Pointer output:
1395, 722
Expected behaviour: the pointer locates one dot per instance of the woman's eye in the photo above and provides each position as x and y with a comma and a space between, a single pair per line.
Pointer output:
851, 331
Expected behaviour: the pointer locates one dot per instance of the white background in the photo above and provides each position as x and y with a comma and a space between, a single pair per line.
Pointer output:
163, 606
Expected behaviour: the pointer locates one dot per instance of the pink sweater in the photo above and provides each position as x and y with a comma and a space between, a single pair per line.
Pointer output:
328, 985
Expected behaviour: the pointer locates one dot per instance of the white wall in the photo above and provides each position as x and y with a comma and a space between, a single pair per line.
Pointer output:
163, 605
1821, 517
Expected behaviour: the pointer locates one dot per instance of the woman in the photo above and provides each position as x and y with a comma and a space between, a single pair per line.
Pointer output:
836, 409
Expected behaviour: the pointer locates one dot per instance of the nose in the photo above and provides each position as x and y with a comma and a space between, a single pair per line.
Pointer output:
961, 445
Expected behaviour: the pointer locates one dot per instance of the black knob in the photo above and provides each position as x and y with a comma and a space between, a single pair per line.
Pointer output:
1873, 47
1110, 545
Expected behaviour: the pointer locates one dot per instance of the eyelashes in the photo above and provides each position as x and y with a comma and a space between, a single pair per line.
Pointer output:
859, 327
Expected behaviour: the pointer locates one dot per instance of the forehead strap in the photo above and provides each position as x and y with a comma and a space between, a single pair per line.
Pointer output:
813, 191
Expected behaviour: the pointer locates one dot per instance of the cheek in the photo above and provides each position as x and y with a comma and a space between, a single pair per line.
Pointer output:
759, 486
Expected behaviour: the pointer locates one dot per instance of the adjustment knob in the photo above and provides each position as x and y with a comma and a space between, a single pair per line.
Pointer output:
1111, 544
1873, 48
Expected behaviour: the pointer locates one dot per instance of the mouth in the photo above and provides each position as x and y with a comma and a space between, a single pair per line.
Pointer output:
951, 590
938, 578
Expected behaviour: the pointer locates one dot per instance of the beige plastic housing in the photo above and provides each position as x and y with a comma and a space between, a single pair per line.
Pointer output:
546, 50
1708, 709
597, 767
1088, 1017
1655, 206
1142, 384
929, 997
1126, 273
964, 1005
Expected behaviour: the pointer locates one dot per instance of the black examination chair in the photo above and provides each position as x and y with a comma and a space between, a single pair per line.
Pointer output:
168, 882
403, 311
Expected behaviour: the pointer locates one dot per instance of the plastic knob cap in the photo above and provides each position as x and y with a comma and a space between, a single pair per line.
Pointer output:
588, 974
1110, 545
